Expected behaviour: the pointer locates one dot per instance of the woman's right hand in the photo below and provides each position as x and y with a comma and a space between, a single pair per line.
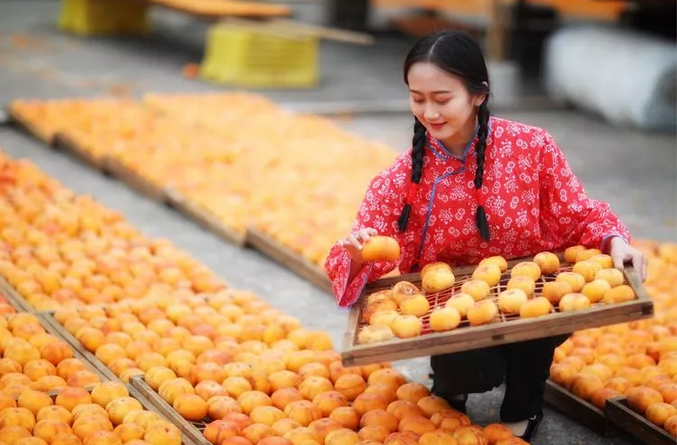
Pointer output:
354, 242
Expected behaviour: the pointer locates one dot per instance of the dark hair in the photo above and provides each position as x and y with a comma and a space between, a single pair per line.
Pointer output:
459, 54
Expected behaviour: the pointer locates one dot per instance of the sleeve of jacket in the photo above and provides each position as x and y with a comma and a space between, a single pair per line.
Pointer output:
380, 210
566, 208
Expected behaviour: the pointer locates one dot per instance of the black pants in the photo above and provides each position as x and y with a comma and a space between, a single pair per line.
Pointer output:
523, 367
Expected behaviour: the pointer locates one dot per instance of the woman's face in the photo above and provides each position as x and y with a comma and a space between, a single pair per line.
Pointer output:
442, 103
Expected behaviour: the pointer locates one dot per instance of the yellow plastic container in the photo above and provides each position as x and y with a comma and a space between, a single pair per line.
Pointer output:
103, 17
260, 56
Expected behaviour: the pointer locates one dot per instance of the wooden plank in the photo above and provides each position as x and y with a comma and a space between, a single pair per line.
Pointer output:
94, 365
618, 412
579, 409
324, 32
218, 9
288, 258
20, 303
149, 406
495, 334
291, 29
27, 126
497, 29
86, 355
14, 298
204, 218
633, 279
191, 432
6, 299
134, 180
63, 141
351, 332
505, 330
263, 27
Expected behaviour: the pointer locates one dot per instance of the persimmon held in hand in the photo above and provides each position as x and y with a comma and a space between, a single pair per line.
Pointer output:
381, 248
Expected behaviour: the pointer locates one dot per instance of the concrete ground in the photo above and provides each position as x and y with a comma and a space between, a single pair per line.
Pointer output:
635, 172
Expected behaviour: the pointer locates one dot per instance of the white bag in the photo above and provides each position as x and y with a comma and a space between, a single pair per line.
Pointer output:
629, 78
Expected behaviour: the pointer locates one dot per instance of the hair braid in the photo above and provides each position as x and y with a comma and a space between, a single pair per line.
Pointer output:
482, 134
417, 152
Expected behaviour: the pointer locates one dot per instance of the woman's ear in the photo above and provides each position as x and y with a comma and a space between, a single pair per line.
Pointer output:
479, 99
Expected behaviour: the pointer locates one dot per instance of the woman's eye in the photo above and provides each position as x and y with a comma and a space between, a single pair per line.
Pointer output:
443, 102
418, 101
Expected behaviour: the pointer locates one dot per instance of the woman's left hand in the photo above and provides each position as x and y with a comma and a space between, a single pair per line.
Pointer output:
621, 252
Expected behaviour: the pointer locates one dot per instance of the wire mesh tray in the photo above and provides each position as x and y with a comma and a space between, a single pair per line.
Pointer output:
504, 328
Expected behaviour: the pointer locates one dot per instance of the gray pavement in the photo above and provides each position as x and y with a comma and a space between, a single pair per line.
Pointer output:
635, 172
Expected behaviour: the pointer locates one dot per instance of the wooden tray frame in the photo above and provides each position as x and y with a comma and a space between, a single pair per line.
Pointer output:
105, 374
77, 351
58, 330
579, 409
186, 427
63, 141
20, 303
28, 127
14, 298
205, 219
94, 365
148, 406
135, 394
132, 179
288, 258
466, 338
618, 412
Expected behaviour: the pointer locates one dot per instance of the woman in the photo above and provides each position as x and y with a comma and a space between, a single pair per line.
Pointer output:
474, 186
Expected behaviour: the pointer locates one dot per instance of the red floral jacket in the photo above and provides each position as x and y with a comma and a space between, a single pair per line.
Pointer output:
533, 202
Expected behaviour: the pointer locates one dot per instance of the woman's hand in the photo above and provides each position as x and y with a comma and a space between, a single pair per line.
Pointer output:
621, 252
354, 242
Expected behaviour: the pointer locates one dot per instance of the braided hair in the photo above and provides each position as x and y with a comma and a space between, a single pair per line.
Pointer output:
417, 152
458, 53
482, 134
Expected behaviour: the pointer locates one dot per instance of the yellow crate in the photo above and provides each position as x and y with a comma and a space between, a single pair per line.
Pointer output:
101, 17
260, 56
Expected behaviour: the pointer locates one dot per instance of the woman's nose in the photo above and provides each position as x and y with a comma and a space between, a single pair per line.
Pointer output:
431, 113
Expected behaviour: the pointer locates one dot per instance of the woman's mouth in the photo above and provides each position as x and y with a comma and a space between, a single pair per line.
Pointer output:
437, 127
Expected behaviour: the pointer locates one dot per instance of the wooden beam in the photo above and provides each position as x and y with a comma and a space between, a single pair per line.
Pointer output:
324, 32
497, 30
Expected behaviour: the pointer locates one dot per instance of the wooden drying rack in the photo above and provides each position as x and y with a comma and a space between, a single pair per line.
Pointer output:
505, 329
618, 412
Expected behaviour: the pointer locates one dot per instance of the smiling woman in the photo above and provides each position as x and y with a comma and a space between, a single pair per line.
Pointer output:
449, 96
475, 186
447, 105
